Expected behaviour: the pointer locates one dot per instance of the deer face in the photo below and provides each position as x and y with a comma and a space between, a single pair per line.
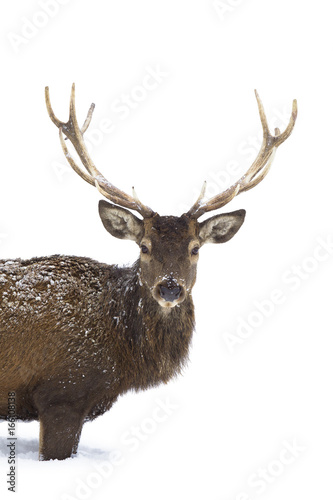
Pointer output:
169, 256
169, 246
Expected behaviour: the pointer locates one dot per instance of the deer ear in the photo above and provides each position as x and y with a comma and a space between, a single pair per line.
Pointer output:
221, 228
120, 222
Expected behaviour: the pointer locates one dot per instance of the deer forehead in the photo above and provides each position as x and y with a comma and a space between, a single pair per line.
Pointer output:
166, 230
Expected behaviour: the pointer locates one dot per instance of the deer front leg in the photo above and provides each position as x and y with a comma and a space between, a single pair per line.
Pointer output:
60, 430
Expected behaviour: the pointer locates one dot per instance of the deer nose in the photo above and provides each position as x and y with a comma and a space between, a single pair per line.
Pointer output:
170, 292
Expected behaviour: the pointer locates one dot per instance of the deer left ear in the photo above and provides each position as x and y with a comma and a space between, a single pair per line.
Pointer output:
221, 228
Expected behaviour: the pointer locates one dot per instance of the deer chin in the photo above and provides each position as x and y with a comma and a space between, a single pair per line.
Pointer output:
166, 304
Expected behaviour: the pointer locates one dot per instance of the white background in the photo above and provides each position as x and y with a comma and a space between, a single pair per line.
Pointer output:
234, 409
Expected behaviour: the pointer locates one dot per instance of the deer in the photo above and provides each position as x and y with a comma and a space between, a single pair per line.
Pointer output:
75, 334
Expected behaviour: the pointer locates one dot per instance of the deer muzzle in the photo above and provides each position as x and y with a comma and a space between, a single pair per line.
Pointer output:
169, 293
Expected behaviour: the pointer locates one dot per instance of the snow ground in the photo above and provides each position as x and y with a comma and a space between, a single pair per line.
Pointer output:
173, 85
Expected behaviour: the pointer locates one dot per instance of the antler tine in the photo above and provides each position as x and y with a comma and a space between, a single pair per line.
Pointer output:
50, 111
88, 178
200, 198
88, 118
94, 177
257, 171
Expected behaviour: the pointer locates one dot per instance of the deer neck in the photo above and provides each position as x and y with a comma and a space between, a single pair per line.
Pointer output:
158, 343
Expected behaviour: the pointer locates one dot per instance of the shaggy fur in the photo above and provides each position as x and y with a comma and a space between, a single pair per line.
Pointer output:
75, 334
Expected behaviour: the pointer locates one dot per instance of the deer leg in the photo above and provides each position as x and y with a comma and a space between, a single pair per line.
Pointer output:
60, 430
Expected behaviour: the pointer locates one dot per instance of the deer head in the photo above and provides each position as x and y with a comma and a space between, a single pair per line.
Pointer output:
169, 246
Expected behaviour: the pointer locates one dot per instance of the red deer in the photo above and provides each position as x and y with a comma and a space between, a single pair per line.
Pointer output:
75, 334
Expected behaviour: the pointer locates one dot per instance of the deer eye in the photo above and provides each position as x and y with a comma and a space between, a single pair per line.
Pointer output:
195, 251
144, 249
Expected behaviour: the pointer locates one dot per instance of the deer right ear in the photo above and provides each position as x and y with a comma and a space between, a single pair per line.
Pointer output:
120, 222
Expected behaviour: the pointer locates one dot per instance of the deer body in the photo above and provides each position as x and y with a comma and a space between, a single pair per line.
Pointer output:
75, 334
79, 334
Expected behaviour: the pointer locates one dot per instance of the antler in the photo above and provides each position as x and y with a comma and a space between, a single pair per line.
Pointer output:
255, 173
73, 132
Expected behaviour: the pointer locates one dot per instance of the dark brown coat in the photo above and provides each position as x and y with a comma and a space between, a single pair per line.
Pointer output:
75, 334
